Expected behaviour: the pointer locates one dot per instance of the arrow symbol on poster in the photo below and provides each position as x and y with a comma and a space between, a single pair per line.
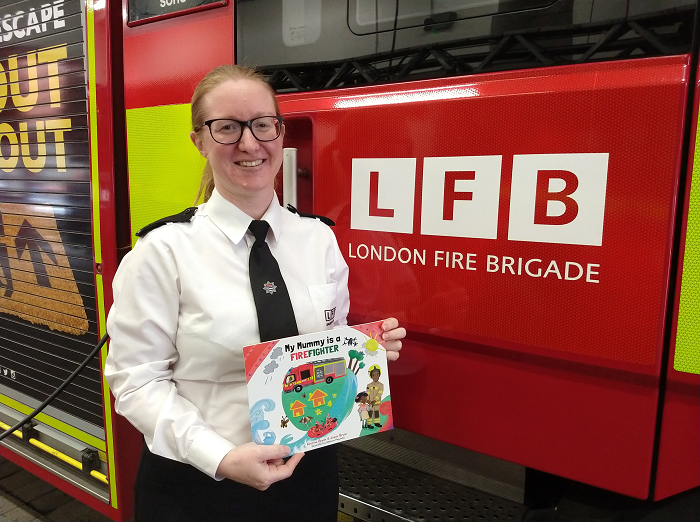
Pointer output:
28, 238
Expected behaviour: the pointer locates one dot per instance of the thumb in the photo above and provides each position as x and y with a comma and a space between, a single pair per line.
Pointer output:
276, 451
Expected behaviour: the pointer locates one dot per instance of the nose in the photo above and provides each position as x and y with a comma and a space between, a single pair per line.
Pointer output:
247, 141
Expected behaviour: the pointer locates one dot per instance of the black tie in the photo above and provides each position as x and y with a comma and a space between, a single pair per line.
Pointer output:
275, 313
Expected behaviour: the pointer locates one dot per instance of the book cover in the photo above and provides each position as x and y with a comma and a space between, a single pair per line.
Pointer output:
313, 390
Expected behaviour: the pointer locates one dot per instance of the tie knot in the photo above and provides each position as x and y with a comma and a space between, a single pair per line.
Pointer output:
259, 229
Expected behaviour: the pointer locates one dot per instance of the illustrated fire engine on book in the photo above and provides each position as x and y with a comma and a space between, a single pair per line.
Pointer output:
318, 389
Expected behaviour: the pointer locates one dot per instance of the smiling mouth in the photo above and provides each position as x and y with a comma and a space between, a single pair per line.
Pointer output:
249, 163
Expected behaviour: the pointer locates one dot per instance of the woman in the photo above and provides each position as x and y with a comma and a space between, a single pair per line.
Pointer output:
183, 310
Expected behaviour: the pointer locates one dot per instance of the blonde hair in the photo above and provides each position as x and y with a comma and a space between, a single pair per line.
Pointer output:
213, 79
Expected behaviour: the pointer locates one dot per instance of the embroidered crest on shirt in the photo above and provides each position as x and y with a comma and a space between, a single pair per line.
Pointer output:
270, 288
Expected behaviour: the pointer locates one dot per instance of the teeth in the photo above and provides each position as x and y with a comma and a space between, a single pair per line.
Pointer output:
250, 163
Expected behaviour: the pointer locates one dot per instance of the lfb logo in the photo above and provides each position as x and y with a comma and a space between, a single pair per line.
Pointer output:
554, 198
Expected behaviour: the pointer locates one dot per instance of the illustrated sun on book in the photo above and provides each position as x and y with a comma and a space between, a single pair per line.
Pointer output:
318, 389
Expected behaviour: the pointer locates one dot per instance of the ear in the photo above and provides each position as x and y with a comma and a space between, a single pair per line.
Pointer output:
198, 143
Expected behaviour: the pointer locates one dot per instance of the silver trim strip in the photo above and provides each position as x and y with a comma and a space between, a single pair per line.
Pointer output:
79, 424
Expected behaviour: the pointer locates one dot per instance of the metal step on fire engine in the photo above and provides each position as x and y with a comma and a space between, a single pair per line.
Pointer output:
400, 476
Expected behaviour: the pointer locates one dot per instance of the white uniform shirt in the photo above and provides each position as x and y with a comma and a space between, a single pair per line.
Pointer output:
183, 311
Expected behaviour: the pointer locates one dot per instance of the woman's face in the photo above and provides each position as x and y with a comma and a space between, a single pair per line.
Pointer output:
245, 169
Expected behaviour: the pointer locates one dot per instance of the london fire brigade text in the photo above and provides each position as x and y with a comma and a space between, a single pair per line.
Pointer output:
554, 198
532, 267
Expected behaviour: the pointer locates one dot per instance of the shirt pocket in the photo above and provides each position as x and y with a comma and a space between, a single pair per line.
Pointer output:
323, 298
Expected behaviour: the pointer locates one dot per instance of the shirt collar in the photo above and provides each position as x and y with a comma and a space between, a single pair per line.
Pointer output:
233, 222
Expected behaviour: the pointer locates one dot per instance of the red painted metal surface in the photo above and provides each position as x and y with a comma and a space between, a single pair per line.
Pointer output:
108, 26
679, 452
164, 61
559, 375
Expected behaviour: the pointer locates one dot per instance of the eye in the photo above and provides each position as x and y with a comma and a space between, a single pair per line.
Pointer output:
227, 127
264, 124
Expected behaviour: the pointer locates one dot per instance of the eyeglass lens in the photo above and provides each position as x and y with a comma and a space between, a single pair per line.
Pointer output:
265, 128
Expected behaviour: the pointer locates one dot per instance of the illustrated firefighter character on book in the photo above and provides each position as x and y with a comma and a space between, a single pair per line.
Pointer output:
375, 389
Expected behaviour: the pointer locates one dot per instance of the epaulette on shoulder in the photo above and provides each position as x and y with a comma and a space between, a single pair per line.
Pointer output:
183, 217
323, 219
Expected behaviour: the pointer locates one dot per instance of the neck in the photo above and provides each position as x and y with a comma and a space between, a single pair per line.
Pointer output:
255, 205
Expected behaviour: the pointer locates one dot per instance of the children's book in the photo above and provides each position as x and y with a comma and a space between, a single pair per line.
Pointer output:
318, 389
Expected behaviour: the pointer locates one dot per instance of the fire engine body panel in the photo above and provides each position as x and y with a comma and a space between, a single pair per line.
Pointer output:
528, 225
578, 372
313, 373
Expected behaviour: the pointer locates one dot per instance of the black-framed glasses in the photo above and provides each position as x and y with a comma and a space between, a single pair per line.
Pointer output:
227, 131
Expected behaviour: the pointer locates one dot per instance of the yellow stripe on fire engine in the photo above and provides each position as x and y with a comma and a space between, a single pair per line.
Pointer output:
687, 355
164, 166
97, 240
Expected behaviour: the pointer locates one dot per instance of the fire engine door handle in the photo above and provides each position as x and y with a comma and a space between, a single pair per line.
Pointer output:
289, 177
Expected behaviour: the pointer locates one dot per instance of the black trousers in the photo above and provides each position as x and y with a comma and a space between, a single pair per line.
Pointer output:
170, 491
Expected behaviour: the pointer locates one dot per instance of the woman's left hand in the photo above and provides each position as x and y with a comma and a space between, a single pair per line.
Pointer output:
392, 336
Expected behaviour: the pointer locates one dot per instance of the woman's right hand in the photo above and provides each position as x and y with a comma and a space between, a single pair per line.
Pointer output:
258, 465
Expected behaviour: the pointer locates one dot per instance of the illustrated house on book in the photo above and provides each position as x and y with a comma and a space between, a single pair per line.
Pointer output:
297, 408
319, 397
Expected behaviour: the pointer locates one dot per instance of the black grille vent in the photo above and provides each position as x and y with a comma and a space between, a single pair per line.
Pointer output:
665, 33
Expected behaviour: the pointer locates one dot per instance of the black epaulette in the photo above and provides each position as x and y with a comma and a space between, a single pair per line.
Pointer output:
183, 217
323, 219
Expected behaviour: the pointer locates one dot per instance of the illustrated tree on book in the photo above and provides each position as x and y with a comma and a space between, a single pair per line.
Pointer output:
355, 361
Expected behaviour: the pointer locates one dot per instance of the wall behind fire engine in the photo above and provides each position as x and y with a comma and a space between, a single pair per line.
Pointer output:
309, 31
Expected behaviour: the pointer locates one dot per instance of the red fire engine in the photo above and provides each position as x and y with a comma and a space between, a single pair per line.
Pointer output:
515, 180
313, 373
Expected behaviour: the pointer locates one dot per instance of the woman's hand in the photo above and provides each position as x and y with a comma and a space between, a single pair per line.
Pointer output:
392, 337
258, 465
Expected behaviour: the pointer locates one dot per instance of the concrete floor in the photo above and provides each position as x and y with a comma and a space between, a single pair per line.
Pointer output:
26, 498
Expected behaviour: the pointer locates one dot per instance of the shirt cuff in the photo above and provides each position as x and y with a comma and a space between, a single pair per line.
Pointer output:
207, 451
